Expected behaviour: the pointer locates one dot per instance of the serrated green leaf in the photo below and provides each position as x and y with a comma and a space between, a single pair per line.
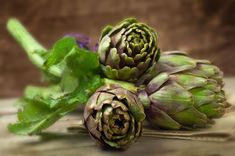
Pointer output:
68, 82
32, 110
33, 91
81, 61
36, 126
44, 106
60, 49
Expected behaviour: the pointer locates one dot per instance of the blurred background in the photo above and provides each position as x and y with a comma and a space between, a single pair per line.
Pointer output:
203, 28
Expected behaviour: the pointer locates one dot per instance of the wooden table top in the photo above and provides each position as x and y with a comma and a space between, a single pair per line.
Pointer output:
62, 143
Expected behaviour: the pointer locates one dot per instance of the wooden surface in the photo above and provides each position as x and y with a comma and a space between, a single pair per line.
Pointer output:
59, 142
204, 28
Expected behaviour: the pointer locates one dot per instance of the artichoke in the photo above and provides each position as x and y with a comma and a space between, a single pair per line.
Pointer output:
183, 93
113, 117
127, 50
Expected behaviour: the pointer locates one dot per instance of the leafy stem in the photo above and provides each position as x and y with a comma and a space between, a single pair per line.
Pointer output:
33, 49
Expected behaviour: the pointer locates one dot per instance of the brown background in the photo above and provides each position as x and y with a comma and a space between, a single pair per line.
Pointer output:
204, 28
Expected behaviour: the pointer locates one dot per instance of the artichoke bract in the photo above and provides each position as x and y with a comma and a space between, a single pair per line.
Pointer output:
128, 50
113, 117
183, 93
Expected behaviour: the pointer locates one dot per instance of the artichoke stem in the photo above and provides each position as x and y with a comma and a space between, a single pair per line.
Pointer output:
126, 85
30, 45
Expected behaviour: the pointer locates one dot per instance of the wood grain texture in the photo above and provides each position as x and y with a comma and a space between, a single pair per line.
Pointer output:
204, 28
57, 142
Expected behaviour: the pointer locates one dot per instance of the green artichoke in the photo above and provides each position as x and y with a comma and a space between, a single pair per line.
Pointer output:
128, 50
184, 92
113, 117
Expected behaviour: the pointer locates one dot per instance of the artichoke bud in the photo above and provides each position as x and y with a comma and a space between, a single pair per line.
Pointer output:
113, 117
183, 92
128, 50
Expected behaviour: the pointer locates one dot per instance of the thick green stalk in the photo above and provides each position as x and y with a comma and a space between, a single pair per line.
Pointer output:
25, 39
30, 45
126, 85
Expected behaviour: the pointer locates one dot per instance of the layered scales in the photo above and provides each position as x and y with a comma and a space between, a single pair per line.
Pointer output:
183, 92
128, 50
113, 116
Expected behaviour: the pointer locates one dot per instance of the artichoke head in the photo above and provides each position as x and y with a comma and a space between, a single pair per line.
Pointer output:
128, 50
113, 117
183, 92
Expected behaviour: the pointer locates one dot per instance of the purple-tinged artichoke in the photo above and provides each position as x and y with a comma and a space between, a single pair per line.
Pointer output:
183, 92
113, 117
128, 50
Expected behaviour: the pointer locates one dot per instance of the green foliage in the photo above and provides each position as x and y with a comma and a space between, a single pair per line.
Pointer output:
77, 78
